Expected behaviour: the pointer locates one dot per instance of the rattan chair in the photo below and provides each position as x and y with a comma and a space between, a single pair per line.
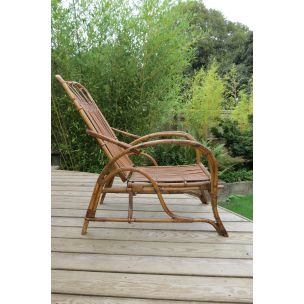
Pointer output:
189, 179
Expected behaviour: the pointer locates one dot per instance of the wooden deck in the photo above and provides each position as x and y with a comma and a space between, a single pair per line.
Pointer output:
144, 263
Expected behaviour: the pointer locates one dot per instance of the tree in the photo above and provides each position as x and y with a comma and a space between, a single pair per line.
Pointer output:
214, 37
204, 108
243, 111
233, 86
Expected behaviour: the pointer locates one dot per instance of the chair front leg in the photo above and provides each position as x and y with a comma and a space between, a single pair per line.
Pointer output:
91, 211
220, 227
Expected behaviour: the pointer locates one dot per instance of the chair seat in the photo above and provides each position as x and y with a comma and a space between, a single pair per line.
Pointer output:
171, 174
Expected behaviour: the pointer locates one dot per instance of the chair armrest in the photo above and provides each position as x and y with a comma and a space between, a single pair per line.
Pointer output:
121, 144
109, 139
125, 133
163, 134
172, 134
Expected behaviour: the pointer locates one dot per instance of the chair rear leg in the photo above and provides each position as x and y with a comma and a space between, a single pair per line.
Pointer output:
200, 194
203, 198
91, 211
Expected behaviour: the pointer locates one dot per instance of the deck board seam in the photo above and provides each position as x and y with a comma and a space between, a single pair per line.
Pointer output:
144, 241
168, 256
241, 231
156, 300
153, 273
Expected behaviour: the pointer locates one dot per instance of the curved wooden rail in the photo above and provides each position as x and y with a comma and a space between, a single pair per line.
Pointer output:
168, 134
120, 144
161, 134
125, 133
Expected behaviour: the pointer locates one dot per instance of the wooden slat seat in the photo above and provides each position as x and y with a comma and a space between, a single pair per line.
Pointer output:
175, 174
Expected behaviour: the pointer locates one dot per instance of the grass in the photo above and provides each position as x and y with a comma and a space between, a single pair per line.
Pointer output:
241, 204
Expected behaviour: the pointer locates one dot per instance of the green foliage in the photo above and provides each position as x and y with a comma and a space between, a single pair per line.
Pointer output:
236, 176
239, 143
214, 37
224, 161
243, 111
184, 155
236, 132
153, 65
233, 86
132, 63
174, 155
204, 109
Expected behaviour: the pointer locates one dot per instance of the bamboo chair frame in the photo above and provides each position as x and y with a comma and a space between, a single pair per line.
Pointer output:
121, 165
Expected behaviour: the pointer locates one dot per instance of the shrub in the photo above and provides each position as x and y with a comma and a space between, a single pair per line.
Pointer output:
236, 176
239, 143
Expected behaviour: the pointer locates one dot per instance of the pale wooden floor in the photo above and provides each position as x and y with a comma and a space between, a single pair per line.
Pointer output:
144, 263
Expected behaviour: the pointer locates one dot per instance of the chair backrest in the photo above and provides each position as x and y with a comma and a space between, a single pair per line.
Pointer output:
95, 121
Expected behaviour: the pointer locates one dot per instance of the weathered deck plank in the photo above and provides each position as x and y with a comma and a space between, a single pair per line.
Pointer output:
76, 299
152, 235
77, 222
144, 263
150, 286
238, 251
227, 216
153, 264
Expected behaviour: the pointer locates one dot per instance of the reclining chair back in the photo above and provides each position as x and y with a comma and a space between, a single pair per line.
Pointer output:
96, 122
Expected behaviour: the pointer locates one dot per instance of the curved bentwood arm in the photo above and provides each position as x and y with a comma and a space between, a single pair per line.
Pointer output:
107, 175
120, 144
162, 134
125, 133
173, 134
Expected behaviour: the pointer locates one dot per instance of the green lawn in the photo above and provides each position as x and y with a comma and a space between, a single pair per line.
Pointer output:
241, 204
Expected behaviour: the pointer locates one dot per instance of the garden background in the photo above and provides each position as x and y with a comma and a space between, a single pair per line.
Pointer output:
151, 66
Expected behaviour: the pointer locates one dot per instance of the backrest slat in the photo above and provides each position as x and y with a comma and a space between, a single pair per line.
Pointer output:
95, 121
